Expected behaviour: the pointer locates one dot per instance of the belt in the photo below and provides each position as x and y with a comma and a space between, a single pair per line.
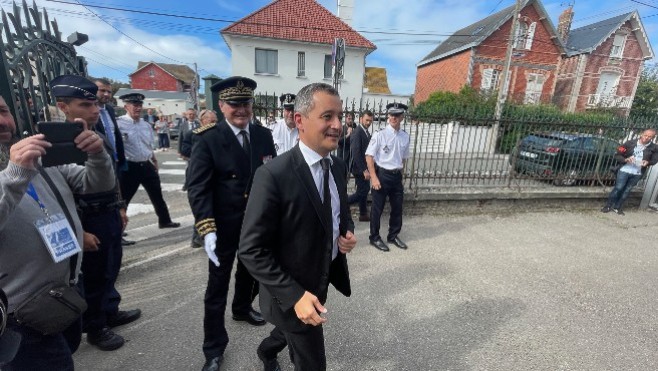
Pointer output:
140, 163
99, 208
394, 171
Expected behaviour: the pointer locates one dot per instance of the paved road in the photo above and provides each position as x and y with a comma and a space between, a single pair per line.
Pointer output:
529, 291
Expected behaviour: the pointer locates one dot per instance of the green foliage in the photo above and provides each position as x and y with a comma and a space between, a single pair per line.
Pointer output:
645, 104
465, 104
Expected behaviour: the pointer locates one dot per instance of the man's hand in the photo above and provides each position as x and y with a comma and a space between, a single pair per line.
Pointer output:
210, 243
307, 309
27, 151
630, 160
374, 181
154, 161
89, 242
366, 174
347, 243
124, 219
645, 163
88, 141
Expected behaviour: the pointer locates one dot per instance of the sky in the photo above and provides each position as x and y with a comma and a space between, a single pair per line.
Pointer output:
118, 39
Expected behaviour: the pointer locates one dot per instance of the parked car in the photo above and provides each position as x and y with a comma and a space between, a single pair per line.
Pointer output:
565, 158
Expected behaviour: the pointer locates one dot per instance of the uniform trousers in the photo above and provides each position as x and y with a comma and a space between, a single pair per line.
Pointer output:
391, 186
145, 174
100, 269
361, 194
215, 338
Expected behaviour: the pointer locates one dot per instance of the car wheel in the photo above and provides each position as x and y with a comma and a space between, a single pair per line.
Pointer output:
569, 178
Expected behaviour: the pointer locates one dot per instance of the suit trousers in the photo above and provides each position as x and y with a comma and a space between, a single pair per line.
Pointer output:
307, 349
391, 186
361, 194
246, 288
100, 269
144, 174
272, 345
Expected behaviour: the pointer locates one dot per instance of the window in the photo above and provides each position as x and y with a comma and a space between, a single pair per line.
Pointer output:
301, 64
490, 80
521, 33
534, 88
328, 66
267, 61
618, 46
151, 72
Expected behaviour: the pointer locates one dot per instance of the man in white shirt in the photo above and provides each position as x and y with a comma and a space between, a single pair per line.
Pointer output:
284, 131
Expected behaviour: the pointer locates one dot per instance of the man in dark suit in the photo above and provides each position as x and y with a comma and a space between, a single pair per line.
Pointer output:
343, 151
297, 230
358, 145
222, 164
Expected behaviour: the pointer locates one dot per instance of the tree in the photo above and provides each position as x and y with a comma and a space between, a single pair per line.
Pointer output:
645, 103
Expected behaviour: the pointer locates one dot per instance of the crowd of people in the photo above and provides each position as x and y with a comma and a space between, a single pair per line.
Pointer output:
269, 199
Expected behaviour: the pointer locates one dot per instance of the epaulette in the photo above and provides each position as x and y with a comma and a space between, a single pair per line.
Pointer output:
201, 129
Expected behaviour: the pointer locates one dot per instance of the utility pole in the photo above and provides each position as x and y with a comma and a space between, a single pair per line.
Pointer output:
502, 92
195, 89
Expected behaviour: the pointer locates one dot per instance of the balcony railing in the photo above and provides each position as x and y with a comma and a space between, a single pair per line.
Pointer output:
608, 100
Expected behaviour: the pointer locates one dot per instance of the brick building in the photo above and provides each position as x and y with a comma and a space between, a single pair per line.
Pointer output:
163, 77
475, 56
603, 63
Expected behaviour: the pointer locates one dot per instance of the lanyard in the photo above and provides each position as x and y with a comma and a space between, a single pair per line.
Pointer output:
33, 193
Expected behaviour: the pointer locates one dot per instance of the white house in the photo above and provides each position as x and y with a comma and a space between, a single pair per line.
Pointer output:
165, 102
288, 44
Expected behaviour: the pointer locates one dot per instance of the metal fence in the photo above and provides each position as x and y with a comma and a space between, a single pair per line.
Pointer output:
464, 150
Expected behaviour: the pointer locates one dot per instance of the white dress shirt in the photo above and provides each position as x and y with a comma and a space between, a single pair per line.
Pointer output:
313, 159
284, 137
237, 130
137, 138
389, 148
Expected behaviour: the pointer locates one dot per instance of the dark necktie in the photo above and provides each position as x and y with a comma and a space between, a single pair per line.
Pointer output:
326, 193
245, 142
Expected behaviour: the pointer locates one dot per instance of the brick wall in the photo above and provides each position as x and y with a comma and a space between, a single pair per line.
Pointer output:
448, 74
153, 77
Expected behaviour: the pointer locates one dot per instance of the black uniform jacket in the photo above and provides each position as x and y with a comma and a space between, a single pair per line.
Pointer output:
220, 174
284, 242
359, 143
118, 140
627, 149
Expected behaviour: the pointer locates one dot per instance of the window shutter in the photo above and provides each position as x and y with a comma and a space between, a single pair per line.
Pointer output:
530, 36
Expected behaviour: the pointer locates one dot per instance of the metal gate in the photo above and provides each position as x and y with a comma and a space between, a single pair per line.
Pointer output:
33, 53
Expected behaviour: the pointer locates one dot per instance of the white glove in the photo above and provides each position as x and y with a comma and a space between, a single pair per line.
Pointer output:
210, 243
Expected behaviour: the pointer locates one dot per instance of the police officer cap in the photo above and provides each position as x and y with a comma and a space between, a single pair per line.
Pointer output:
396, 108
235, 89
287, 100
73, 86
132, 98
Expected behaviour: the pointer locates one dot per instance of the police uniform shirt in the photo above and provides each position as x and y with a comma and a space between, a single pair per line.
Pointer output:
389, 148
284, 137
137, 138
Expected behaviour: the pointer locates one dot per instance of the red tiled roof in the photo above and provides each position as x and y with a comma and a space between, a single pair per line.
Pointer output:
299, 20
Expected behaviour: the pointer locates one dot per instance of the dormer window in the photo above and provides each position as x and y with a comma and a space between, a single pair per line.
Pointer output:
525, 33
618, 46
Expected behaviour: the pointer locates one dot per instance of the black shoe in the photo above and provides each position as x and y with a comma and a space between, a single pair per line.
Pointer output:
123, 317
105, 339
271, 364
213, 364
606, 209
253, 318
169, 225
379, 244
619, 212
125, 242
398, 242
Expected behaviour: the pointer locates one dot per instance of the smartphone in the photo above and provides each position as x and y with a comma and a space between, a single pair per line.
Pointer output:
61, 136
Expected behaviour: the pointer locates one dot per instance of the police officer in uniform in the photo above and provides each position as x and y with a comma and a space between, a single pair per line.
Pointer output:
284, 131
102, 224
386, 155
224, 158
142, 166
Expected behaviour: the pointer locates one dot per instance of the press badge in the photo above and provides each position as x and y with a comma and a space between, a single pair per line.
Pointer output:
58, 236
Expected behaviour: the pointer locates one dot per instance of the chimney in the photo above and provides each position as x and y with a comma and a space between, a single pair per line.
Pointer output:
564, 24
345, 11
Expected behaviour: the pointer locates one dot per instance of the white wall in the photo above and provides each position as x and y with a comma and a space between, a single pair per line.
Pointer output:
374, 101
167, 106
243, 62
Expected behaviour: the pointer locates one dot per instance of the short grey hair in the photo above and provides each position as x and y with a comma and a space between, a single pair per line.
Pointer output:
304, 101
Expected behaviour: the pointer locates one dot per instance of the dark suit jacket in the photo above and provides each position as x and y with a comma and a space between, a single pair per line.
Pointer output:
184, 130
282, 243
220, 175
118, 140
358, 145
627, 149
